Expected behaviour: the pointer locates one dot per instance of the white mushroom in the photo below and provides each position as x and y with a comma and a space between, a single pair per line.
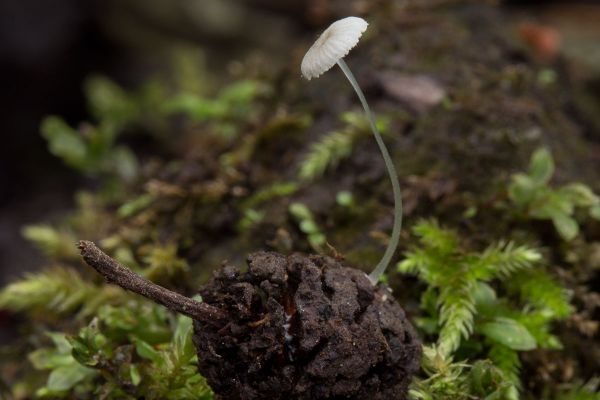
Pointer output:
333, 44
330, 49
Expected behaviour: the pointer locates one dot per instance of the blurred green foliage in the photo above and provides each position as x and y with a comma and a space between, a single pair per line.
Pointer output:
138, 350
532, 197
462, 307
226, 110
52, 242
55, 292
335, 146
308, 225
96, 149
93, 148
66, 373
249, 207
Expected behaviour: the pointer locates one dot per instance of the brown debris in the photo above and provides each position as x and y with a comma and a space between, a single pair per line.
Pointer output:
325, 332
419, 92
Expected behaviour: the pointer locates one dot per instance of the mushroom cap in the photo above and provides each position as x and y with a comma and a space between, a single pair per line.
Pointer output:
333, 44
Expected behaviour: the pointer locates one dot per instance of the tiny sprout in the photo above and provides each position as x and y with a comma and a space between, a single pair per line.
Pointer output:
344, 198
330, 49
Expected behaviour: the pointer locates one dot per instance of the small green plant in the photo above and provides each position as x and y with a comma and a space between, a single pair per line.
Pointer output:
65, 372
135, 205
90, 149
461, 305
447, 380
131, 352
56, 292
249, 207
93, 148
325, 154
345, 199
307, 224
164, 264
532, 196
54, 243
232, 105
335, 146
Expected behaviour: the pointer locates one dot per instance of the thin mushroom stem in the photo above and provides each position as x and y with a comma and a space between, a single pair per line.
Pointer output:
125, 278
393, 244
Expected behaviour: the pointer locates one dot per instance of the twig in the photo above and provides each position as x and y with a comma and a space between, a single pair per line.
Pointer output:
125, 278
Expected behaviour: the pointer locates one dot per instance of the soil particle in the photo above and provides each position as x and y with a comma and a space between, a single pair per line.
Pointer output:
305, 327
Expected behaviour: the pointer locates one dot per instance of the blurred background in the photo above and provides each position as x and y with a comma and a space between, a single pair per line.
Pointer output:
47, 49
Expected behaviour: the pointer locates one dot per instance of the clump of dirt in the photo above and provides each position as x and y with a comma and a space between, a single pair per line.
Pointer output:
305, 327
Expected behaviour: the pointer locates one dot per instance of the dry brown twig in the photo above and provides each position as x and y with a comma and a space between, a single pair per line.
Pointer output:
122, 276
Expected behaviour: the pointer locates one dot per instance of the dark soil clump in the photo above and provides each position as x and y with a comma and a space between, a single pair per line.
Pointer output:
305, 327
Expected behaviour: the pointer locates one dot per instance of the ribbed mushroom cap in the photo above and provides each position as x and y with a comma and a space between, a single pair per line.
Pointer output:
334, 43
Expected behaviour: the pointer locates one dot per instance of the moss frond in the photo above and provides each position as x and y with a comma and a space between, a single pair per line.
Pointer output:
503, 259
326, 154
457, 308
434, 237
542, 291
55, 291
508, 361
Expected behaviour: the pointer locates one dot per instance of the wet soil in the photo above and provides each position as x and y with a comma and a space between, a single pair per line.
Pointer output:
305, 327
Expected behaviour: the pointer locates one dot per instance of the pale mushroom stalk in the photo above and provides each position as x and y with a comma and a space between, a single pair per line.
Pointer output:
395, 238
330, 48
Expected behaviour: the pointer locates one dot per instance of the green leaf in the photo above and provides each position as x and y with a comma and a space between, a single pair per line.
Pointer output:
134, 374
300, 211
64, 141
65, 377
579, 194
242, 91
196, 107
148, 352
510, 333
566, 226
344, 198
595, 212
541, 167
251, 217
134, 206
359, 121
109, 103
308, 226
484, 294
60, 341
49, 359
522, 190
182, 339
124, 162
550, 204
317, 240
278, 189
355, 119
